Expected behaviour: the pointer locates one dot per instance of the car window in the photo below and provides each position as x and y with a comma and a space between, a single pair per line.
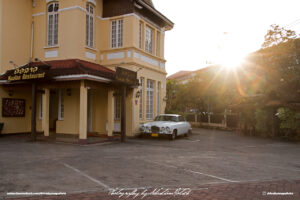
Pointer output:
181, 118
174, 119
166, 118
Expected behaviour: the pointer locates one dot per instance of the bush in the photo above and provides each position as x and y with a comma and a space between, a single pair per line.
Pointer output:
289, 123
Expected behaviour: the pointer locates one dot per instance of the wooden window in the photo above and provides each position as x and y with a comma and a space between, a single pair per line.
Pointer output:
117, 107
41, 106
141, 97
52, 24
149, 40
89, 25
141, 35
61, 104
158, 97
150, 100
117, 33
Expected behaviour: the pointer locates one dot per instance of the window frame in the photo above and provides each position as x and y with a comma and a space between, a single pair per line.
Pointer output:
149, 39
158, 97
52, 29
41, 106
141, 27
141, 98
90, 28
117, 106
117, 33
150, 100
61, 104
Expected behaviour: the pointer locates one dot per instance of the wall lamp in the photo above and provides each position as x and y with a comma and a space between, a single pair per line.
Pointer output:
10, 92
138, 94
69, 92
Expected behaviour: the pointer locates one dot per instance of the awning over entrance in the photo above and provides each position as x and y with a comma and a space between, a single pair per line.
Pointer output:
72, 69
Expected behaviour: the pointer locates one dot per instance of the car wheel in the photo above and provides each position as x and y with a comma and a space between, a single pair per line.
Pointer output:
173, 136
185, 135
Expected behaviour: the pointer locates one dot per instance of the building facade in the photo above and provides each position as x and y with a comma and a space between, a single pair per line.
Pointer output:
81, 43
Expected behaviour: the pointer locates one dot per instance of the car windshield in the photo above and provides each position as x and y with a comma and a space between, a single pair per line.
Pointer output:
166, 118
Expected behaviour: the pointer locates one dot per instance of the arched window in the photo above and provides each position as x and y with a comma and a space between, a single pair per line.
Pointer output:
52, 24
89, 38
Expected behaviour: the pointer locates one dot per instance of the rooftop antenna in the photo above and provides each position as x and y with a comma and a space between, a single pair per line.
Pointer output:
38, 60
14, 64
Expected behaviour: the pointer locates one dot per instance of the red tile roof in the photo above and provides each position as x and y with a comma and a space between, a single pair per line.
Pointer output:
72, 67
179, 74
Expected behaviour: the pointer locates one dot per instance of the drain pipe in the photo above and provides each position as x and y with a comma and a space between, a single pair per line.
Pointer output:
31, 42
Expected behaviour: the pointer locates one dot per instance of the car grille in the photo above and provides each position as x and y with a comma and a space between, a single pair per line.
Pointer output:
154, 129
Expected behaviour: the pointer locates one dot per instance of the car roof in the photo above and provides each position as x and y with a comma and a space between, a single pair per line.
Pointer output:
174, 115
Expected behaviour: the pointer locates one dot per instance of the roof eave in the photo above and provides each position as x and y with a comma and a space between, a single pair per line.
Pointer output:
169, 23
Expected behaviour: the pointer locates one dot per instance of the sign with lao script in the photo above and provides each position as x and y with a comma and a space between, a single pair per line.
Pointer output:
13, 107
27, 73
126, 76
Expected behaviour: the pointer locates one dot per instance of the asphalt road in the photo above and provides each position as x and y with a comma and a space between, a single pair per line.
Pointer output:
205, 158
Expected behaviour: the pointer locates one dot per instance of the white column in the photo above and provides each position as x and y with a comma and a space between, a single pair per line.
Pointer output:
110, 113
83, 112
45, 111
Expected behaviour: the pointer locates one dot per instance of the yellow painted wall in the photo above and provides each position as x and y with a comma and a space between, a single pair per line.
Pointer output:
17, 124
1, 29
70, 123
99, 110
15, 33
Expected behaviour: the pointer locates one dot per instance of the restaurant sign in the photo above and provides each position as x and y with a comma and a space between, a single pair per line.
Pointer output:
27, 73
126, 76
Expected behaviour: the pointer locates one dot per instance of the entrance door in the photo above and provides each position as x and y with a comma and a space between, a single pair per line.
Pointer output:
53, 110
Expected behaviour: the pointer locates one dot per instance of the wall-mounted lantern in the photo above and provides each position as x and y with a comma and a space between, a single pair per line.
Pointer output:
138, 94
69, 92
10, 92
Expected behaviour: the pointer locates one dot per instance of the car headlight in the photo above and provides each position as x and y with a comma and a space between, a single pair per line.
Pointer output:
147, 129
168, 130
142, 128
162, 129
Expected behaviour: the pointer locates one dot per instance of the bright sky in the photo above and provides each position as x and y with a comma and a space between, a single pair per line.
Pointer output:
198, 34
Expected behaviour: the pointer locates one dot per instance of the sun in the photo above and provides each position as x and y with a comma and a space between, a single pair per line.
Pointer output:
231, 59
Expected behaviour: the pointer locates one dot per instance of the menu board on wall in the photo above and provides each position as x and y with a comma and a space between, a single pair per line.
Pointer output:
13, 107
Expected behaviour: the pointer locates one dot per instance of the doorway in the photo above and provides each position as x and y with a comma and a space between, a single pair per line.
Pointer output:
53, 110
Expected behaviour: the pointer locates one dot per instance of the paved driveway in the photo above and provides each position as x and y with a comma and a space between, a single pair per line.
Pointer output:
207, 158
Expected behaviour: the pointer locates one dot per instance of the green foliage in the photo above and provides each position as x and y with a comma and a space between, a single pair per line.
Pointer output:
210, 90
263, 123
277, 35
289, 119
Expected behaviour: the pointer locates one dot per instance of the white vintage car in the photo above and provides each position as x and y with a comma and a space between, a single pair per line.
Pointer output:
167, 124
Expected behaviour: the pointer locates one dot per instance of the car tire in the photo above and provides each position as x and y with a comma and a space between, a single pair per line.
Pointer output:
190, 131
186, 135
173, 136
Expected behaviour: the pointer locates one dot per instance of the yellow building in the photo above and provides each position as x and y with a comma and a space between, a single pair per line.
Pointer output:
67, 52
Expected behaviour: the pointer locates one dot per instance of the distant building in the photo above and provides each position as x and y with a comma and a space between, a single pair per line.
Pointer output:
183, 77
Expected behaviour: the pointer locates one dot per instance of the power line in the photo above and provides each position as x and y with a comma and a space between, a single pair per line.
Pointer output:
297, 21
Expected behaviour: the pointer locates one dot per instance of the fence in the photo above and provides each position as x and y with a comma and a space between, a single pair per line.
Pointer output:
213, 120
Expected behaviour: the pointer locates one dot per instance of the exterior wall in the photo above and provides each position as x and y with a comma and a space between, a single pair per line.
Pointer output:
17, 124
70, 123
16, 32
99, 110
16, 41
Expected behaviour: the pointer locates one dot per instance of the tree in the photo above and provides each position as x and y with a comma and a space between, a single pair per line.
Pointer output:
277, 35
